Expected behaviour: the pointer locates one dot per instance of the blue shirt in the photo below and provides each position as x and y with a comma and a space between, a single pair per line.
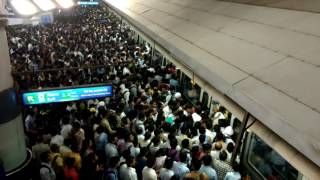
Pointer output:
102, 140
232, 176
212, 174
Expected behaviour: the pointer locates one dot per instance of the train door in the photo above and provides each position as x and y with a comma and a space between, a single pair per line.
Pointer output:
262, 162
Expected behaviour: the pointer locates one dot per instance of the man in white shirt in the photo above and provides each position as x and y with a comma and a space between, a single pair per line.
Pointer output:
111, 148
129, 172
46, 171
148, 173
181, 168
235, 174
65, 128
166, 173
56, 138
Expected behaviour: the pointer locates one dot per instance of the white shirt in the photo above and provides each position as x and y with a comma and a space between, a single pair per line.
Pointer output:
47, 172
111, 150
166, 174
232, 176
159, 162
57, 139
215, 154
149, 174
65, 130
29, 122
130, 173
180, 169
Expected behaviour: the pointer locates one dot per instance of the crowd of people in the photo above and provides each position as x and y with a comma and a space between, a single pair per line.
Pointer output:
146, 130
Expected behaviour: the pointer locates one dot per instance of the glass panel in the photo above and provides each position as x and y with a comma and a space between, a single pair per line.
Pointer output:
268, 162
192, 93
205, 100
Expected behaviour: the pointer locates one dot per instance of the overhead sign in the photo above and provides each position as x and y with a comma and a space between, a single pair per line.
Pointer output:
68, 94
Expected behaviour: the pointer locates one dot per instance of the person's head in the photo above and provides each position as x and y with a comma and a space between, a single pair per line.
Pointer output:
230, 147
76, 125
69, 161
150, 162
99, 129
202, 138
216, 128
173, 143
168, 163
202, 130
44, 157
130, 161
113, 162
143, 152
196, 164
156, 141
218, 146
147, 136
207, 160
54, 148
223, 155
185, 143
111, 138
206, 148
139, 131
236, 167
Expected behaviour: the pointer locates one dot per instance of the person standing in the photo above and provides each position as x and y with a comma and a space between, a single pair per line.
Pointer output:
46, 171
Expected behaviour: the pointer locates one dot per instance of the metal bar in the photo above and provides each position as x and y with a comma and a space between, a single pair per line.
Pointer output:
239, 138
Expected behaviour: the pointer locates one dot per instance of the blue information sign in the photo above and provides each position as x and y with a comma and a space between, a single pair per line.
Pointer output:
64, 95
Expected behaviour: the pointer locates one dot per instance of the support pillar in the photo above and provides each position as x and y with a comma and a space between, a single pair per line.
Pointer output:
13, 152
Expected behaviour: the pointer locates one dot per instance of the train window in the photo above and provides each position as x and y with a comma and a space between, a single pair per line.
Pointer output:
192, 93
205, 99
268, 162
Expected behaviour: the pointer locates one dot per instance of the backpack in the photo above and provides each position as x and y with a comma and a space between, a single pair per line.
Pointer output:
123, 100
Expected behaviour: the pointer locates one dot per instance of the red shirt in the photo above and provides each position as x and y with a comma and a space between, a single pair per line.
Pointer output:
71, 173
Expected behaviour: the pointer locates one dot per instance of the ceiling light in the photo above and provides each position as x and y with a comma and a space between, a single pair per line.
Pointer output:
24, 7
45, 5
65, 3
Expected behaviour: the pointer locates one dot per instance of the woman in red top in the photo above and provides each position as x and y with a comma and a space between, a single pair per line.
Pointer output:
70, 172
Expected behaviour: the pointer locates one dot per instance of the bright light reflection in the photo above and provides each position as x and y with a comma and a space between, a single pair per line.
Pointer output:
24, 7
45, 5
65, 3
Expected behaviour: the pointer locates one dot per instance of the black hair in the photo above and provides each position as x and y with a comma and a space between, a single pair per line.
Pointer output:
168, 163
202, 138
206, 147
230, 147
223, 155
150, 162
196, 164
185, 143
207, 160
69, 161
113, 162
173, 143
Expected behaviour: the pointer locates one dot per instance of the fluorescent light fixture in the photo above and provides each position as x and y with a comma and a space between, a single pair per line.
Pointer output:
24, 7
65, 3
88, 2
45, 5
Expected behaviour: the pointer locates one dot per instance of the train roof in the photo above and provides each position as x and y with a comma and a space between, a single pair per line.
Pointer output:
265, 59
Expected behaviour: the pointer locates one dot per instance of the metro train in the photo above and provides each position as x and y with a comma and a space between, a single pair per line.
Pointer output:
263, 154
